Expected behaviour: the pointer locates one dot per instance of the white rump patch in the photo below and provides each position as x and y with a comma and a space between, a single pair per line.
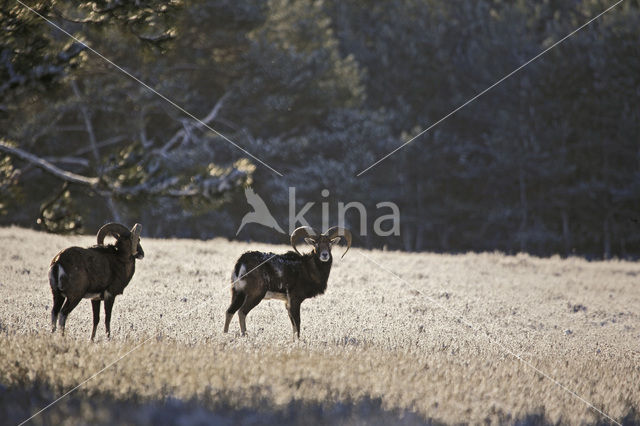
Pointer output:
240, 284
61, 273
276, 295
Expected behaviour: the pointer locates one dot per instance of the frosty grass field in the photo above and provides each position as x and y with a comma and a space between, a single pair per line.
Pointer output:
374, 348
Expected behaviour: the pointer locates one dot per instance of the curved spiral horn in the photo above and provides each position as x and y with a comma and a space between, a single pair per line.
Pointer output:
113, 228
301, 232
337, 231
135, 232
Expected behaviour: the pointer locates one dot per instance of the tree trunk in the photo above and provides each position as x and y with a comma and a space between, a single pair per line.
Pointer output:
419, 243
407, 236
523, 205
606, 231
566, 235
113, 208
86, 116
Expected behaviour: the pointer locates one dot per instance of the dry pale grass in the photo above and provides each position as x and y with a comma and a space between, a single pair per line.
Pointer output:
421, 347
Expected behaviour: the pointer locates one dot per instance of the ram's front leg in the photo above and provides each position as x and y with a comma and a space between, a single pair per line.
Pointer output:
293, 308
95, 305
108, 306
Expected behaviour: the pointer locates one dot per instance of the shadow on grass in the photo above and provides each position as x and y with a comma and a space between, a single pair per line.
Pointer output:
18, 404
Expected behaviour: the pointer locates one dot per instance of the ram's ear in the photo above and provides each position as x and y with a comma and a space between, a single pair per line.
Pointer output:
310, 241
335, 240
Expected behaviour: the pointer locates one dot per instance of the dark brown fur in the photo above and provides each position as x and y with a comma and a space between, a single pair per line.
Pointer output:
98, 272
290, 276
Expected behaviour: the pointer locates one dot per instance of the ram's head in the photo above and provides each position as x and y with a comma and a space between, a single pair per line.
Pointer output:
125, 239
321, 243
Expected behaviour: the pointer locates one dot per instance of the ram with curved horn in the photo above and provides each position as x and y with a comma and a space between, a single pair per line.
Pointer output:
97, 273
291, 277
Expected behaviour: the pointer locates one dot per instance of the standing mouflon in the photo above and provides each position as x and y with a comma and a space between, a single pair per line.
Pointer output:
97, 273
291, 277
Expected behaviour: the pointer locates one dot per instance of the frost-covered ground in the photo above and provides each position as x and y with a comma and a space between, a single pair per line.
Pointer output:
397, 337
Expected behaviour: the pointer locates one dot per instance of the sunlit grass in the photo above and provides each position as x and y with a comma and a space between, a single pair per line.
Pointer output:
421, 344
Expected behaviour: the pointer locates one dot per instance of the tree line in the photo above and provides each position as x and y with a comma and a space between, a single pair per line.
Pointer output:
545, 162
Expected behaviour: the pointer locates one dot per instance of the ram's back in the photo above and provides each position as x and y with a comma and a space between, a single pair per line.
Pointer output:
86, 264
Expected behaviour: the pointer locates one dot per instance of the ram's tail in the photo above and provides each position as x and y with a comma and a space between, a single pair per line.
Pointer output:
57, 277
237, 277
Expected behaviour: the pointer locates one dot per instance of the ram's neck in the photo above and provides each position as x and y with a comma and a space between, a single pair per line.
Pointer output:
318, 275
124, 271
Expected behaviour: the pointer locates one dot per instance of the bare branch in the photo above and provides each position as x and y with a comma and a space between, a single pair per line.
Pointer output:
107, 142
146, 143
83, 162
188, 126
247, 134
88, 124
171, 187
94, 148
48, 167
69, 128
214, 112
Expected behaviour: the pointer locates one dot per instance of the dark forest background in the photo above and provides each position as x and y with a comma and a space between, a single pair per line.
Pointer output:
546, 162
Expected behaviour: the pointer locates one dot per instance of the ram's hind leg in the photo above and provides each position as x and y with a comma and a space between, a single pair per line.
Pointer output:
58, 297
250, 302
58, 300
237, 299
67, 307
